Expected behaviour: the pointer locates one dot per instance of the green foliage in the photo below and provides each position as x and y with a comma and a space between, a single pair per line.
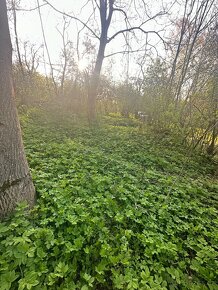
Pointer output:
115, 211
32, 88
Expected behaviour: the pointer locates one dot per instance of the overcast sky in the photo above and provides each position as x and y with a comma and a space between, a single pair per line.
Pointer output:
29, 29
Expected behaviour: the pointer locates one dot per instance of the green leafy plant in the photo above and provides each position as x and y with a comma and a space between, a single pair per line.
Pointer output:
115, 210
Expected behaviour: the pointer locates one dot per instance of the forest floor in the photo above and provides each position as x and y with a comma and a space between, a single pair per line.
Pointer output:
116, 209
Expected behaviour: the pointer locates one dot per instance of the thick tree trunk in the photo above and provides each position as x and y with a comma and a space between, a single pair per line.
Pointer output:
15, 180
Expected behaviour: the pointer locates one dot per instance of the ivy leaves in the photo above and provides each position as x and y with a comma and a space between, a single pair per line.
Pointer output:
113, 212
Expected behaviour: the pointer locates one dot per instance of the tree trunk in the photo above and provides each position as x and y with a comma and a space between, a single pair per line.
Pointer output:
15, 180
211, 148
106, 9
92, 94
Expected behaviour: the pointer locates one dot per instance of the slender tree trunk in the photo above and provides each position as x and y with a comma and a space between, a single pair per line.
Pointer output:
22, 97
214, 133
15, 180
47, 50
106, 9
92, 94
16, 37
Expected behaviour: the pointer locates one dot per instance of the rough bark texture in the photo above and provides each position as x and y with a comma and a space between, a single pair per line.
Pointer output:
15, 180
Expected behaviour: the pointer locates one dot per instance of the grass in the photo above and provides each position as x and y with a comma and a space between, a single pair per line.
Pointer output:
117, 209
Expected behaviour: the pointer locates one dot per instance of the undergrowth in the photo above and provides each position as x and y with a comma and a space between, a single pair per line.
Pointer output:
116, 209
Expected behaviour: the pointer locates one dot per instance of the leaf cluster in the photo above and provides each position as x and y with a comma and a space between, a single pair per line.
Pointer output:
114, 211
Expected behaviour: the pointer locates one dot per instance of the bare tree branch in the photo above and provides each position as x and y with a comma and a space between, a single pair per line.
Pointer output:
124, 52
26, 9
134, 29
73, 17
122, 11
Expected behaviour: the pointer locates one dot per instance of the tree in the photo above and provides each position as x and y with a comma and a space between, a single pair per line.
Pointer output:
66, 55
208, 74
214, 113
14, 6
47, 50
15, 180
197, 17
107, 9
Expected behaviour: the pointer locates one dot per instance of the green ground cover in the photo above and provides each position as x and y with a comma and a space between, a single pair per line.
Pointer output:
116, 209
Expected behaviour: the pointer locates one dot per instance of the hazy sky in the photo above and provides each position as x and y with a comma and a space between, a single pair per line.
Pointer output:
29, 29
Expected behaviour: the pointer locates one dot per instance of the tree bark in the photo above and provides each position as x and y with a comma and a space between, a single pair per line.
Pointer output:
92, 94
15, 180
106, 10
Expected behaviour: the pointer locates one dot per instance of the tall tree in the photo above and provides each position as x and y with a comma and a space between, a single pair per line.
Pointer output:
15, 180
197, 18
106, 12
